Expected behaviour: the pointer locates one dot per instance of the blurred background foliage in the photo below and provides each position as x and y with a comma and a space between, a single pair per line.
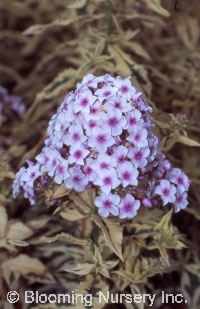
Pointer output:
46, 48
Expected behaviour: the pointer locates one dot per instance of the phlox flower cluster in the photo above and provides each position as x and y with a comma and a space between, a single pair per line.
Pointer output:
101, 137
9, 105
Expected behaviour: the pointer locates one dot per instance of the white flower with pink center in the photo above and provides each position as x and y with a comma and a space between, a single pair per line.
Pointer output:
77, 180
56, 140
29, 193
117, 103
128, 207
107, 204
136, 96
18, 182
89, 170
77, 154
121, 154
94, 113
84, 101
115, 121
109, 79
52, 166
180, 179
166, 166
125, 88
72, 115
43, 158
105, 92
139, 156
128, 174
89, 125
138, 137
61, 172
104, 162
52, 158
166, 191
107, 180
61, 123
75, 135
101, 139
90, 81
181, 201
134, 118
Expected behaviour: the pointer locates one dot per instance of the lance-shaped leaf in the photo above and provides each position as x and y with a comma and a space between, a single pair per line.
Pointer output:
22, 265
81, 269
113, 234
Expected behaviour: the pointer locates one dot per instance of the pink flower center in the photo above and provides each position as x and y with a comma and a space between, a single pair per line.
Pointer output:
54, 163
180, 180
88, 170
165, 191
107, 204
110, 151
137, 137
126, 175
46, 159
106, 93
104, 165
117, 105
179, 199
32, 175
61, 170
138, 156
84, 102
121, 159
76, 179
124, 89
76, 136
107, 181
101, 139
93, 110
132, 121
78, 154
128, 206
113, 121
92, 124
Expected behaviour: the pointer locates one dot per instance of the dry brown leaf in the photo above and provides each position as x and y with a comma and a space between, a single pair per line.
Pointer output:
64, 237
22, 265
78, 4
61, 191
82, 204
71, 214
81, 269
156, 6
3, 221
36, 29
188, 141
112, 232
18, 231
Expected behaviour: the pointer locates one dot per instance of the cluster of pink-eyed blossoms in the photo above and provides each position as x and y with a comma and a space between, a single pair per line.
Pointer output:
101, 137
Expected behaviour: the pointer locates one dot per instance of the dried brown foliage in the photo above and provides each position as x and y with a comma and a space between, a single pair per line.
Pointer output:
46, 47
